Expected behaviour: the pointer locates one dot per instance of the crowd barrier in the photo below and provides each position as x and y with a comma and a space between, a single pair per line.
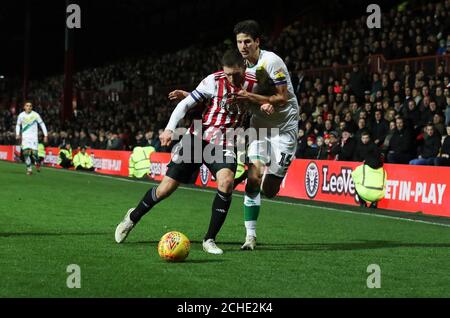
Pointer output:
409, 188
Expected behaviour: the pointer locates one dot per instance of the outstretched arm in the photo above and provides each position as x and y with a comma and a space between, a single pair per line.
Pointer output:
178, 113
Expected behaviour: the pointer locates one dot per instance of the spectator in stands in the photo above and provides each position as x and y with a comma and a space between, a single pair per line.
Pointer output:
114, 142
84, 140
364, 147
333, 142
311, 148
429, 149
301, 144
399, 149
322, 149
438, 124
94, 142
379, 128
443, 158
345, 149
361, 129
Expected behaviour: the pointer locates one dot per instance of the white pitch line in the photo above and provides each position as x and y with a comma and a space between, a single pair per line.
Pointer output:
263, 199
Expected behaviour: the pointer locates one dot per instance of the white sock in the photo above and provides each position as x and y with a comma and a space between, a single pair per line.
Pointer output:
250, 226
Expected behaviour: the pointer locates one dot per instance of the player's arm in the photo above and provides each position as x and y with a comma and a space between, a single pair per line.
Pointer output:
18, 127
277, 100
278, 73
178, 95
178, 113
44, 129
204, 91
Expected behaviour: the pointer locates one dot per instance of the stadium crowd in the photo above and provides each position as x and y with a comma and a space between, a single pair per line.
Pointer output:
404, 114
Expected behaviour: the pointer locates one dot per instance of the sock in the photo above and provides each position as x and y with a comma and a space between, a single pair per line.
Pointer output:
37, 161
147, 203
219, 212
27, 161
252, 204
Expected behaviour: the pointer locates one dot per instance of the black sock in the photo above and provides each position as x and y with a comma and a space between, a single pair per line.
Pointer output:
220, 207
148, 201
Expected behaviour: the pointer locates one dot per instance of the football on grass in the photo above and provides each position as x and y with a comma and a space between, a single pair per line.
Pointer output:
174, 247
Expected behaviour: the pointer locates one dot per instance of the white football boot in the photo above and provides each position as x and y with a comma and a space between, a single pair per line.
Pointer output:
250, 243
124, 228
210, 247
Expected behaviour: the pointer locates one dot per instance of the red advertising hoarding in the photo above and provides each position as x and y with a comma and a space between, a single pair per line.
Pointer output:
6, 153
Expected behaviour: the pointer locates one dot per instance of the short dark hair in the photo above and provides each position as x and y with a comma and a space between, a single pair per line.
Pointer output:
365, 133
233, 57
250, 27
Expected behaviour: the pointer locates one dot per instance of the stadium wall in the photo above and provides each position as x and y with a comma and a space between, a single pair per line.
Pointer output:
409, 188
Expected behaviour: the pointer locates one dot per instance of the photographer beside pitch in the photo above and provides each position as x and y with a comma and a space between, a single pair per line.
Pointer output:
370, 179
221, 113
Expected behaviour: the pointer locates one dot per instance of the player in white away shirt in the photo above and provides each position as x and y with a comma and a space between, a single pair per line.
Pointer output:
27, 132
277, 150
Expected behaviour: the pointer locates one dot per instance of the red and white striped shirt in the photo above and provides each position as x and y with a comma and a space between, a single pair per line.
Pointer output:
220, 112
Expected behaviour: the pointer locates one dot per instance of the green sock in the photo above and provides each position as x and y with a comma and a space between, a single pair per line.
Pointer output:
252, 205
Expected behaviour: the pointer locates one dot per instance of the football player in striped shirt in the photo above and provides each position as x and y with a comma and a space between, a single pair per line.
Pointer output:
27, 134
221, 113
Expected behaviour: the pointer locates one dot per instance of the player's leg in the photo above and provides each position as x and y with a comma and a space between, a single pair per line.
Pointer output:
177, 172
283, 147
36, 159
150, 199
252, 202
27, 158
219, 210
258, 154
224, 172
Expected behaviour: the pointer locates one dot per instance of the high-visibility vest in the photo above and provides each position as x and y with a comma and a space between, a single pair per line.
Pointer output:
66, 152
41, 151
240, 165
83, 160
370, 183
139, 163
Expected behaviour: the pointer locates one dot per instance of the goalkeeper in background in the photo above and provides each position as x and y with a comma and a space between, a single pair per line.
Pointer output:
27, 135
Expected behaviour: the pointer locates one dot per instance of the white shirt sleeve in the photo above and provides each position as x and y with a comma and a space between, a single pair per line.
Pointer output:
203, 92
42, 124
18, 125
277, 69
180, 111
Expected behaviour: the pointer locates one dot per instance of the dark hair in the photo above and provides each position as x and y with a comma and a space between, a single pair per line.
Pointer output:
365, 133
250, 27
233, 58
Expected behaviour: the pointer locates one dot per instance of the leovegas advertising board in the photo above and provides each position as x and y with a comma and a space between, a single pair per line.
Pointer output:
409, 188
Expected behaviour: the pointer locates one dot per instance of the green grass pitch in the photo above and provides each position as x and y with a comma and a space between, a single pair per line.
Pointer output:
57, 218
